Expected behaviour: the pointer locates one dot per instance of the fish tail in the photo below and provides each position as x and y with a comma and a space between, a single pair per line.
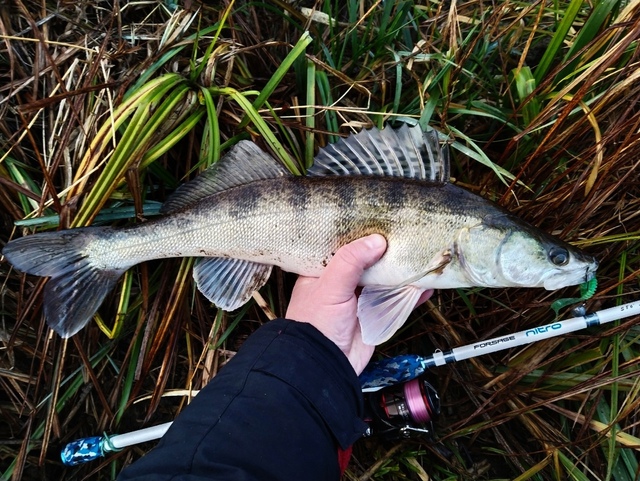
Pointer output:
77, 284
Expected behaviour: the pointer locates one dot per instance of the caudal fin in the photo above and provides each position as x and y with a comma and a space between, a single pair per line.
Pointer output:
76, 287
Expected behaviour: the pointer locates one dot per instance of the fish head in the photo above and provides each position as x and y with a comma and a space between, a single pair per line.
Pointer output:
504, 251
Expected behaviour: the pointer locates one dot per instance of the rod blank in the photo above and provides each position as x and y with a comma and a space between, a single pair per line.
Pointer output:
533, 335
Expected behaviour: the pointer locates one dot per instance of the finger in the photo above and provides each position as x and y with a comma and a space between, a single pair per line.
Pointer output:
342, 275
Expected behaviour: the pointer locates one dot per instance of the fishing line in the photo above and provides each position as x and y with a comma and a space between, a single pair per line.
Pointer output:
381, 374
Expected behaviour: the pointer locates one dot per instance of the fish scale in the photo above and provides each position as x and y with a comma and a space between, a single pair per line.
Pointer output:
307, 234
247, 214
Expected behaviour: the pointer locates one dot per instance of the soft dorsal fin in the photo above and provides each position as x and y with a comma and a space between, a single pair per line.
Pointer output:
404, 152
244, 163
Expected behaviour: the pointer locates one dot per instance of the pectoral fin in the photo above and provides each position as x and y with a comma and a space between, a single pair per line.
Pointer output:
382, 310
229, 283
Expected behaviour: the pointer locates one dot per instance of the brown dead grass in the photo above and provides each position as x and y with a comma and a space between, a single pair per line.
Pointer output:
64, 69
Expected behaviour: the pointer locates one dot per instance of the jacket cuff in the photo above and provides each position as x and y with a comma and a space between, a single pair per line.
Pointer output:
301, 356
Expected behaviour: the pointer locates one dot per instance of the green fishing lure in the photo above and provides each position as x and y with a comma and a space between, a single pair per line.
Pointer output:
587, 290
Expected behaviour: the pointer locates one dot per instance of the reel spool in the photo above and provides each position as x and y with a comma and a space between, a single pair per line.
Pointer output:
402, 410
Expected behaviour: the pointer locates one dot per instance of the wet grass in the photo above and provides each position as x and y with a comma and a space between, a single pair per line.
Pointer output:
104, 111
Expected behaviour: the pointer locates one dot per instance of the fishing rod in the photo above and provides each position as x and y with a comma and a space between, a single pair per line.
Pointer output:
412, 366
381, 374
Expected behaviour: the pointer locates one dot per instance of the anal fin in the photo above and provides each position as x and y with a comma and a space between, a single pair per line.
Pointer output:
382, 310
229, 283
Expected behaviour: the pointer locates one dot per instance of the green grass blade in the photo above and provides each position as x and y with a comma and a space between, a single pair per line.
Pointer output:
211, 153
429, 108
298, 49
16, 172
166, 143
105, 216
615, 469
121, 311
552, 51
310, 114
197, 71
477, 154
480, 109
129, 378
613, 452
598, 19
165, 58
137, 107
262, 127
397, 91
525, 86
330, 117
573, 472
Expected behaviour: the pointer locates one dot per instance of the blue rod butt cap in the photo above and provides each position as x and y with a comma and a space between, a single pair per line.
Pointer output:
82, 451
387, 372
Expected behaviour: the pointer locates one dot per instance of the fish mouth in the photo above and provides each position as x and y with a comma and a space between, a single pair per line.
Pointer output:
574, 277
591, 265
591, 271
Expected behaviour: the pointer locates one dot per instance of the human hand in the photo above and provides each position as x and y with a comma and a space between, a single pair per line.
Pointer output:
330, 303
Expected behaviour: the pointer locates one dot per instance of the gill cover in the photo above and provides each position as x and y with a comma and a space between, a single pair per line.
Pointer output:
501, 256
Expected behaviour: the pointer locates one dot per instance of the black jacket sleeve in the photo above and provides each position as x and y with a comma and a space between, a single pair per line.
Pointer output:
277, 411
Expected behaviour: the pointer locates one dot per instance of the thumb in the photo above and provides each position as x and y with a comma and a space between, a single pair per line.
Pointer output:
342, 274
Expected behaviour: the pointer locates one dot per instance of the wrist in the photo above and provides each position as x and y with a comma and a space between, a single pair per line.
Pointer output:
350, 344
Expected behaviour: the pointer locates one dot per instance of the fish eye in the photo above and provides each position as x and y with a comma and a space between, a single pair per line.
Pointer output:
559, 256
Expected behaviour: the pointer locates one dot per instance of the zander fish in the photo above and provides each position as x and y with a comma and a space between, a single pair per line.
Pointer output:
247, 213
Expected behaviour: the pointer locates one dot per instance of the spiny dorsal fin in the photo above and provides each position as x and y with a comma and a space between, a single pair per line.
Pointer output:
244, 163
404, 152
